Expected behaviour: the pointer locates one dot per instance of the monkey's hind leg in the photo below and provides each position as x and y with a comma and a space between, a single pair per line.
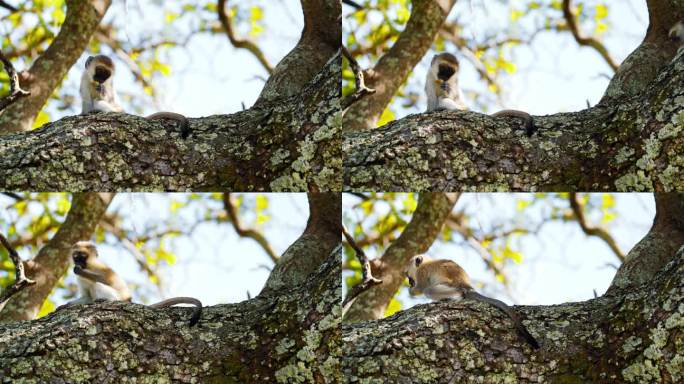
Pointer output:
443, 291
104, 292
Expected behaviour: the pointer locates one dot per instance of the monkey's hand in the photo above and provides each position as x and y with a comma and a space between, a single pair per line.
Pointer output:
78, 270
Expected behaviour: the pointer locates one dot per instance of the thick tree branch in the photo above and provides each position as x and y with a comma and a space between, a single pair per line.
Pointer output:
15, 92
240, 43
655, 250
292, 336
289, 145
319, 43
642, 66
630, 338
426, 224
628, 144
321, 236
628, 335
20, 280
571, 19
53, 260
391, 71
251, 233
82, 18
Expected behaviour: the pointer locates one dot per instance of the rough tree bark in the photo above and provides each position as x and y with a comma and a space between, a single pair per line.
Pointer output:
425, 225
53, 260
320, 237
82, 18
631, 143
391, 71
632, 335
287, 336
291, 144
320, 40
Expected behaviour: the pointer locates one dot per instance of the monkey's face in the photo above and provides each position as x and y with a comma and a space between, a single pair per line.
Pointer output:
101, 74
445, 71
81, 252
412, 269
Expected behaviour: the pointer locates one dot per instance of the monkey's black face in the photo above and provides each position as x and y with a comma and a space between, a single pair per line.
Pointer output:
412, 282
445, 71
101, 74
80, 258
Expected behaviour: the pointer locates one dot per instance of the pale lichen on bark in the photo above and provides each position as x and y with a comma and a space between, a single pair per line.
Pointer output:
292, 336
633, 335
292, 144
632, 143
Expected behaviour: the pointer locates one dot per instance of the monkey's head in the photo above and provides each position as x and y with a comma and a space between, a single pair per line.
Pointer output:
83, 252
412, 268
443, 66
100, 68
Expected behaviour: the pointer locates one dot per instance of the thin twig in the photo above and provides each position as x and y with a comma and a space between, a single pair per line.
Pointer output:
253, 234
367, 281
590, 230
241, 43
8, 7
583, 40
20, 280
353, 4
13, 195
15, 88
361, 89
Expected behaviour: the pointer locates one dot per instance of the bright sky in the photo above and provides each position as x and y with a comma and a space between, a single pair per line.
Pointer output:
561, 264
213, 263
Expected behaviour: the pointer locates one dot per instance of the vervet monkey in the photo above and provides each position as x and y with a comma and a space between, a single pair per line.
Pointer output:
98, 282
444, 279
443, 92
98, 94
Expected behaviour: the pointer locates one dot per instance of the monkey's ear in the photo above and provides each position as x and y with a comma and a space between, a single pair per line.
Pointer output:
89, 60
418, 261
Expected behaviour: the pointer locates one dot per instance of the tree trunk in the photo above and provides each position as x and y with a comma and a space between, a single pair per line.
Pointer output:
629, 335
292, 144
290, 337
630, 143
319, 42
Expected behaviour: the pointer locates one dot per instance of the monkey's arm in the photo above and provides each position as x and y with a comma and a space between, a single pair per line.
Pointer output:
526, 117
180, 119
92, 275
182, 300
509, 312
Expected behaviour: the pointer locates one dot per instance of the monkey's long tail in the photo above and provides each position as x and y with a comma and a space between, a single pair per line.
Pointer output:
522, 331
182, 121
526, 117
182, 300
